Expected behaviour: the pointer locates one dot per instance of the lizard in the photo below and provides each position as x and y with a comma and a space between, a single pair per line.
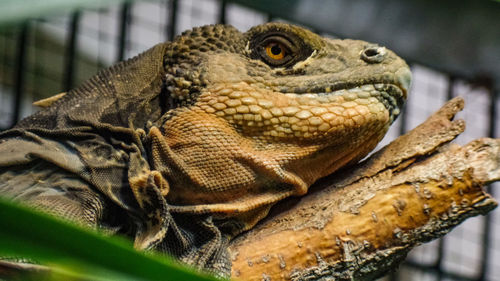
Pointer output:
190, 143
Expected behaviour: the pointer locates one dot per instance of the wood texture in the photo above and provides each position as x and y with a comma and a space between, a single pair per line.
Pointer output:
362, 221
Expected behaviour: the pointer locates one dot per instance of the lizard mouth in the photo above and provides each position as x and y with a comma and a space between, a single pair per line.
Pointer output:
391, 92
390, 95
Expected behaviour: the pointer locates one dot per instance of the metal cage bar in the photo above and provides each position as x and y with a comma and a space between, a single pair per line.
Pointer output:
69, 68
123, 30
19, 76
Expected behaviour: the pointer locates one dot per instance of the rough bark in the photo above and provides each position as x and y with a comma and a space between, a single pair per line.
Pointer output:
361, 222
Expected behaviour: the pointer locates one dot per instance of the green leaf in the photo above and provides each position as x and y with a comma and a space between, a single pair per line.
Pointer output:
76, 253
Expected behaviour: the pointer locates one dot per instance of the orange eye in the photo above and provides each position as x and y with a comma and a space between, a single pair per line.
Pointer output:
276, 51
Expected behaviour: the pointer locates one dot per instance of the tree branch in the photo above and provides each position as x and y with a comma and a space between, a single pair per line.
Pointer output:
362, 221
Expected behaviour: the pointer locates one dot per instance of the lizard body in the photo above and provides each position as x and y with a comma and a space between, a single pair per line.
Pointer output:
192, 142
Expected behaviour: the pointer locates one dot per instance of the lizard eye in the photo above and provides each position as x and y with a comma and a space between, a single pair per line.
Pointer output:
277, 50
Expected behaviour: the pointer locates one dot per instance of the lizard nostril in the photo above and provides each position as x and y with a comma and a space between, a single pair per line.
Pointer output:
373, 54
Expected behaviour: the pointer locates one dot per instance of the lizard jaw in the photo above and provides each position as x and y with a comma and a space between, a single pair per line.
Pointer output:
390, 95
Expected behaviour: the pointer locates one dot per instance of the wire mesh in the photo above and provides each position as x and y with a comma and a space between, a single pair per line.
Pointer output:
43, 57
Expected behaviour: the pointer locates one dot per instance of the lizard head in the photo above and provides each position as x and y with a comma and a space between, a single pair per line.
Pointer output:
261, 115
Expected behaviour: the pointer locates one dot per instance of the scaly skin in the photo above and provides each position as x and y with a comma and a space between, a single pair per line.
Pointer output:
192, 142
255, 134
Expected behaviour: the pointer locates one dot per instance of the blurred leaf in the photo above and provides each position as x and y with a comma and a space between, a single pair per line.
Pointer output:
75, 253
